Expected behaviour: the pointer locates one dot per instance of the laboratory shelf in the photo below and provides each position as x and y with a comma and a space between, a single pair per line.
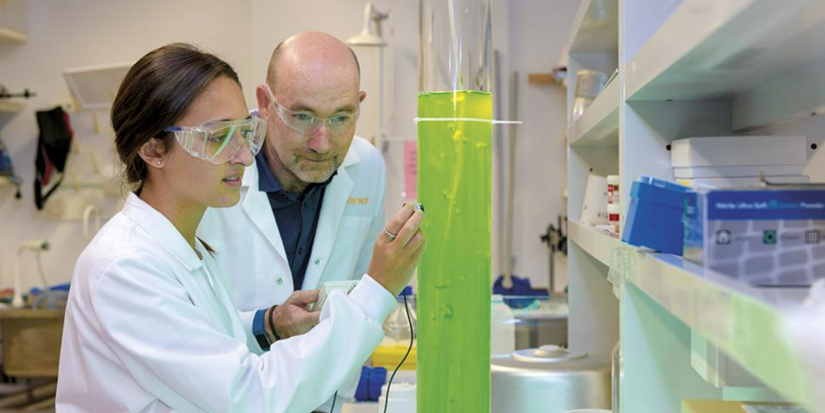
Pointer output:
759, 53
9, 106
599, 125
745, 322
598, 244
688, 68
595, 28
8, 35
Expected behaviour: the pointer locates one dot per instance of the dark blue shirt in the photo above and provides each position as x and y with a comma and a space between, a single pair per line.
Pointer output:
296, 215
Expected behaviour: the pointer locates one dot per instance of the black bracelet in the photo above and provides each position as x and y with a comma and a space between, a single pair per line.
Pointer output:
272, 323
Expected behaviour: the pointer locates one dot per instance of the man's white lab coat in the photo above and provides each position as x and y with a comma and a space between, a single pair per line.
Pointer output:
250, 250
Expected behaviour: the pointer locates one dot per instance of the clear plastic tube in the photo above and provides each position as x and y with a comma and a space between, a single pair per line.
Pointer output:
454, 182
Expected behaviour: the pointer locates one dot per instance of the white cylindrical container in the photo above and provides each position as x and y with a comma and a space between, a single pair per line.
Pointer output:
594, 209
614, 212
502, 328
401, 398
613, 189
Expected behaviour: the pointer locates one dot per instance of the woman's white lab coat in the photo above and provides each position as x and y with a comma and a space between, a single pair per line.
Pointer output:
151, 327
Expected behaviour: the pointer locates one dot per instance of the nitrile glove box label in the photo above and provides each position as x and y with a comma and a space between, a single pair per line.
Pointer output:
764, 237
766, 205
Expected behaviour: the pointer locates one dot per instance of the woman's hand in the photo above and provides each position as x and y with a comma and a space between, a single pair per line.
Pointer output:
398, 249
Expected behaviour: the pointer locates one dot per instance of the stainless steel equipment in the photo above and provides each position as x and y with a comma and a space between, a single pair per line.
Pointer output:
549, 379
540, 321
549, 324
535, 330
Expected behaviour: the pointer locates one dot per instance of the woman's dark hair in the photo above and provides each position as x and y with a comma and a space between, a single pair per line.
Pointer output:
155, 94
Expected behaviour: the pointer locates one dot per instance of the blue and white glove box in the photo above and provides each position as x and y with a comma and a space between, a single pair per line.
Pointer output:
766, 237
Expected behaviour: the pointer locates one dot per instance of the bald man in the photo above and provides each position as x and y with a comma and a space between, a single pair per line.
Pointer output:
312, 204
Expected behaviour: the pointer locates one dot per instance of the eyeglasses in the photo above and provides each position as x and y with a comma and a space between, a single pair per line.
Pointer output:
306, 123
218, 142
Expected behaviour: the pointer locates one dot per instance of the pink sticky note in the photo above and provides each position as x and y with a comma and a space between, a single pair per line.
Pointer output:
410, 170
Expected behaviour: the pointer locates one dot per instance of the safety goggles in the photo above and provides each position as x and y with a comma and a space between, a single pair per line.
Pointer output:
218, 142
306, 123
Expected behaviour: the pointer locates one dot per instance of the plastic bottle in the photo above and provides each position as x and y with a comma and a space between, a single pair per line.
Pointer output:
614, 217
613, 195
502, 328
589, 83
401, 398
397, 326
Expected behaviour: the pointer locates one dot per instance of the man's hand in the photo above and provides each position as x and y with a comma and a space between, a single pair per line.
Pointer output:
396, 255
293, 318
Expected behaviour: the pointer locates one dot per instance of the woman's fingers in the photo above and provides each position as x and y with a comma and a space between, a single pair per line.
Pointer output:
397, 222
411, 227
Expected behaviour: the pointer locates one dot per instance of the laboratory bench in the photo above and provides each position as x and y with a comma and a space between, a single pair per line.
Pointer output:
31, 342
30, 352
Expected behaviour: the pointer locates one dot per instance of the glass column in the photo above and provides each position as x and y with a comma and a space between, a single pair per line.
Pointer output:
455, 109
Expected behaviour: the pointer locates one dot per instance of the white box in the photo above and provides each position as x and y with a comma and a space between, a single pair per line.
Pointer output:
737, 171
727, 151
743, 182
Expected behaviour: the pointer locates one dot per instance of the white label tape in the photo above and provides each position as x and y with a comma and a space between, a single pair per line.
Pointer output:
493, 121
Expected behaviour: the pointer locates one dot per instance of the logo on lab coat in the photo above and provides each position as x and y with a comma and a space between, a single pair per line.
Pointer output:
358, 201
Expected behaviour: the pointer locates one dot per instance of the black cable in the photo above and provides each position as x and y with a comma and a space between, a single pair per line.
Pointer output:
412, 337
409, 349
335, 396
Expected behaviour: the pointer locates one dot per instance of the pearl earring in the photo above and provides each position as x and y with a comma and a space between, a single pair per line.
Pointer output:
159, 162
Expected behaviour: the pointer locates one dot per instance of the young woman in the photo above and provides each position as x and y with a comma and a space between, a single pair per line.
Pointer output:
150, 325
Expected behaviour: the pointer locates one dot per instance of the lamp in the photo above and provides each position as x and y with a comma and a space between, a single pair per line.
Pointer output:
366, 37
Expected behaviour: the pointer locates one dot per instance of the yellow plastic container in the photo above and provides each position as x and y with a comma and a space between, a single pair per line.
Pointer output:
720, 406
389, 357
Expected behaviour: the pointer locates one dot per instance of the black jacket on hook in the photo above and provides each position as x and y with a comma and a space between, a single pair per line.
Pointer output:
53, 147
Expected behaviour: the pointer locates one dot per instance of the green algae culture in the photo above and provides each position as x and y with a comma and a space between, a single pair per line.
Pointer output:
454, 279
